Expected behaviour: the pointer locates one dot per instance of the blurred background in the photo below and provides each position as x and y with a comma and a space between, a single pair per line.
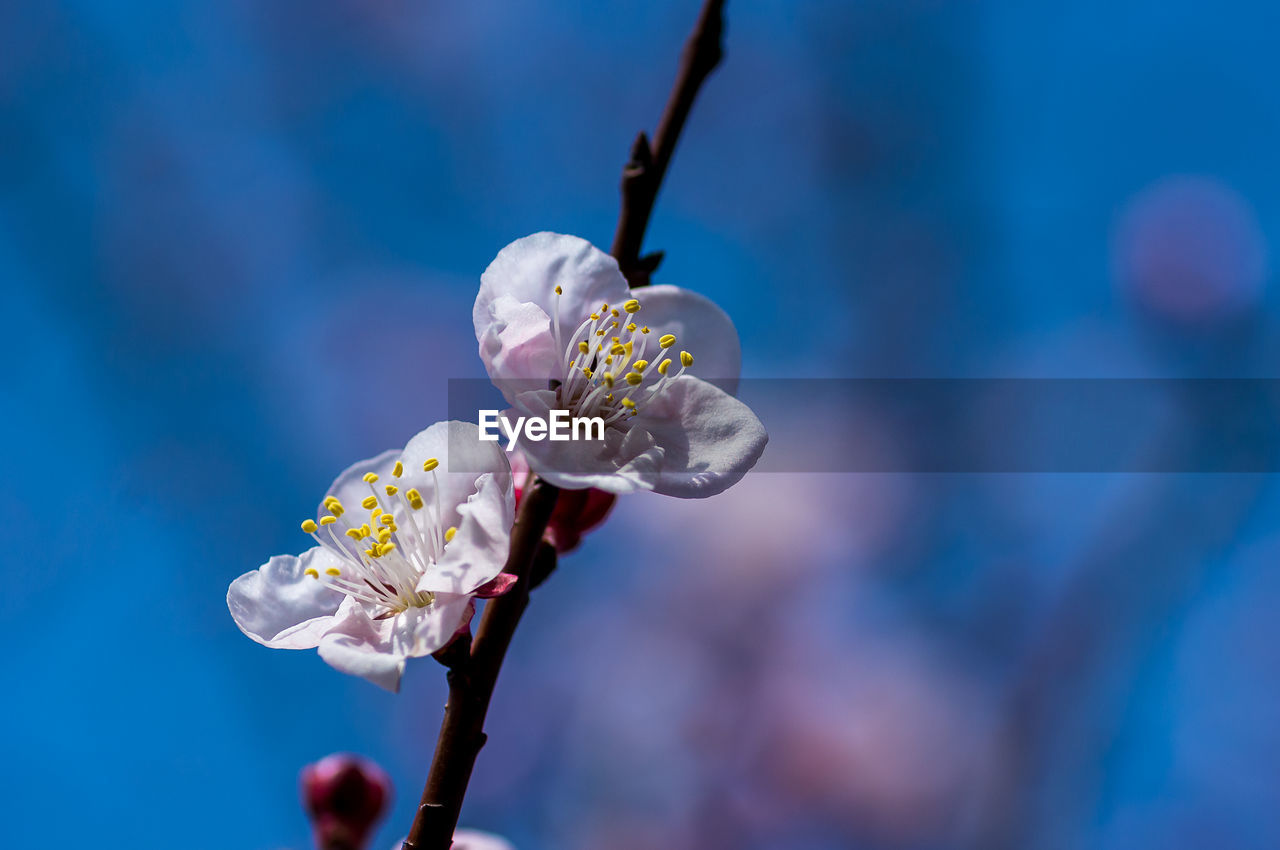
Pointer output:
239, 242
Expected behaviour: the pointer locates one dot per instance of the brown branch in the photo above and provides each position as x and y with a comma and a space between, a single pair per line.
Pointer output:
472, 676
643, 173
471, 682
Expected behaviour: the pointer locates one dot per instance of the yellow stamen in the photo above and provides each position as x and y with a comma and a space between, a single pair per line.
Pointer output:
328, 520
333, 571
634, 378
640, 365
664, 366
608, 380
398, 469
311, 571
369, 502
628, 403
618, 349
415, 498
686, 359
384, 535
370, 477
644, 330
559, 291
586, 371
449, 533
430, 464
583, 347
354, 533
632, 327
667, 340
309, 526
392, 489
632, 306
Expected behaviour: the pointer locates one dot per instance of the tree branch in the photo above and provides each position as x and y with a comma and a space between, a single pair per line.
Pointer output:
471, 682
472, 676
643, 173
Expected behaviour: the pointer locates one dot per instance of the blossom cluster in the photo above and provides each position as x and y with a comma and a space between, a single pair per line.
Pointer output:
406, 541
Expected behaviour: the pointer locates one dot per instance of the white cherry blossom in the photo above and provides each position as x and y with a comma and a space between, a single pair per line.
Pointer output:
559, 329
402, 547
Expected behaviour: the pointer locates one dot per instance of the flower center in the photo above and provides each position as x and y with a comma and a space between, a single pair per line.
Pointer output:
383, 557
605, 373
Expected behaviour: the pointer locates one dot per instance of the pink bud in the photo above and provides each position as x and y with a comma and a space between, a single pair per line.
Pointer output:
344, 796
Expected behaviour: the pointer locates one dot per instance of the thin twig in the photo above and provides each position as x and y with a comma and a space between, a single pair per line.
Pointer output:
643, 173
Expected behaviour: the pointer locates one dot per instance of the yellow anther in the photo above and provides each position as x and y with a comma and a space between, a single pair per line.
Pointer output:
333, 571
377, 512
618, 349
634, 378
595, 317
586, 371
372, 553
640, 365
392, 489
600, 332
632, 306
388, 519
328, 520
608, 380
334, 506
609, 397
370, 477
384, 535
604, 308
559, 291
628, 403
450, 532
415, 498
384, 548
667, 340
664, 366
311, 571
632, 327
615, 325
398, 469
354, 533
617, 339
309, 526
430, 464
686, 359
644, 330
614, 312
583, 347
630, 346
366, 531
369, 502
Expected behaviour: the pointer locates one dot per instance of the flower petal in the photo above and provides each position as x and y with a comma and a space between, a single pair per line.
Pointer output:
436, 624
350, 487
464, 458
280, 606
479, 546
363, 647
708, 437
517, 345
626, 461
530, 269
699, 326
471, 839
